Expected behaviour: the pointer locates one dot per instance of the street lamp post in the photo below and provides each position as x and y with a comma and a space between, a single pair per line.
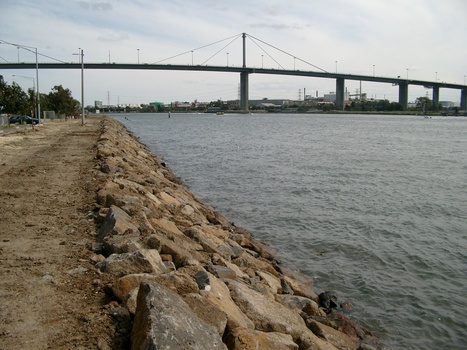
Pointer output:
82, 87
227, 59
81, 60
373, 70
336, 67
262, 62
33, 89
138, 56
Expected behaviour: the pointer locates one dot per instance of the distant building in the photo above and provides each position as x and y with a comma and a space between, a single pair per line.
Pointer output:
181, 105
269, 103
447, 104
332, 96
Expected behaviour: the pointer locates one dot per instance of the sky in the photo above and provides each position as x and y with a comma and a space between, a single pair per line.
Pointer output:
421, 39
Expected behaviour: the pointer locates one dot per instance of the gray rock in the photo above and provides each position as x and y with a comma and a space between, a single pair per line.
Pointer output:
141, 261
202, 279
222, 272
158, 324
116, 222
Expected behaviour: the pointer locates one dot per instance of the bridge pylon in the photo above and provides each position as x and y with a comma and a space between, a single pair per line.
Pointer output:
244, 103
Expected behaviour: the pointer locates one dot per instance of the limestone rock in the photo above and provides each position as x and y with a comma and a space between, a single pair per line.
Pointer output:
308, 306
207, 311
158, 324
248, 339
300, 284
179, 281
123, 286
267, 315
308, 340
209, 242
336, 338
117, 222
220, 296
222, 271
141, 261
273, 282
180, 248
118, 244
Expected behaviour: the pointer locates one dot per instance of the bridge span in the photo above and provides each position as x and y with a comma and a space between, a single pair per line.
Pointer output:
246, 71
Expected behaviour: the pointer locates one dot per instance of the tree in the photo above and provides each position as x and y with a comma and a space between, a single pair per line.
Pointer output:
424, 104
61, 101
13, 100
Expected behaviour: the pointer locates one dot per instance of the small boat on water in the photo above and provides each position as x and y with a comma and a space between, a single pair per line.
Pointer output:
220, 113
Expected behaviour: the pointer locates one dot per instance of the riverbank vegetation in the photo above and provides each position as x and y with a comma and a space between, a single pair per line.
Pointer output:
14, 100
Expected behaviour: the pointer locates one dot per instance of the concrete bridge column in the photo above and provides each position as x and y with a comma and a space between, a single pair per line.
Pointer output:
404, 94
340, 84
244, 103
464, 99
436, 96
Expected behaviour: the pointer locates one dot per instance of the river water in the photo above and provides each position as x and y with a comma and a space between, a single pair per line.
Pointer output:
373, 207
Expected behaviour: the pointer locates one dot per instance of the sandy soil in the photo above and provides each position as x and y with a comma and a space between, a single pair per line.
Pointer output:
51, 296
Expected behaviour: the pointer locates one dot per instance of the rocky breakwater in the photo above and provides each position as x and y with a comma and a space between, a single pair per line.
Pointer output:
187, 278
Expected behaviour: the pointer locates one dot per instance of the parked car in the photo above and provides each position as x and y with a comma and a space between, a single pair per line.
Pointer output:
16, 119
24, 119
29, 120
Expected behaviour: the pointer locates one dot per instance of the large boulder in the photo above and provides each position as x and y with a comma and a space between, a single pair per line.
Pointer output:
219, 295
267, 315
117, 222
338, 339
207, 311
308, 306
141, 261
158, 323
248, 339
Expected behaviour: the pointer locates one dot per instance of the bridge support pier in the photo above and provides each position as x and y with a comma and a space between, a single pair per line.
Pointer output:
340, 85
404, 94
436, 96
464, 99
244, 103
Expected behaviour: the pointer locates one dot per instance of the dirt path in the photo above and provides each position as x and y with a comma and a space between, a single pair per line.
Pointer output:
50, 294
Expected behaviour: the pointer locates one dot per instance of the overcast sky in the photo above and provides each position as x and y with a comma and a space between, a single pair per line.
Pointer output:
426, 39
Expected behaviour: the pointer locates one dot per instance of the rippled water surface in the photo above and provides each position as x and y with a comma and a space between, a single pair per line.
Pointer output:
373, 207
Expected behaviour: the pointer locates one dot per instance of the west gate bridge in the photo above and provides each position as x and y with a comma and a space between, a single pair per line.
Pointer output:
246, 71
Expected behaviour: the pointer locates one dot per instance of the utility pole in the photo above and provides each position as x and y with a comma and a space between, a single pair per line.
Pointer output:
82, 87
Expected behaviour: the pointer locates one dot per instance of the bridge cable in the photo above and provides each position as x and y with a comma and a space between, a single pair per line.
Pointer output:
201, 47
221, 49
254, 42
288, 54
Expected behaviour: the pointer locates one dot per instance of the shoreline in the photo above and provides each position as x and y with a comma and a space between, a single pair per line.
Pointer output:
156, 234
119, 254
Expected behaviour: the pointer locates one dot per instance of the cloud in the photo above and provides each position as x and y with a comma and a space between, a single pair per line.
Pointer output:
277, 26
112, 37
99, 6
